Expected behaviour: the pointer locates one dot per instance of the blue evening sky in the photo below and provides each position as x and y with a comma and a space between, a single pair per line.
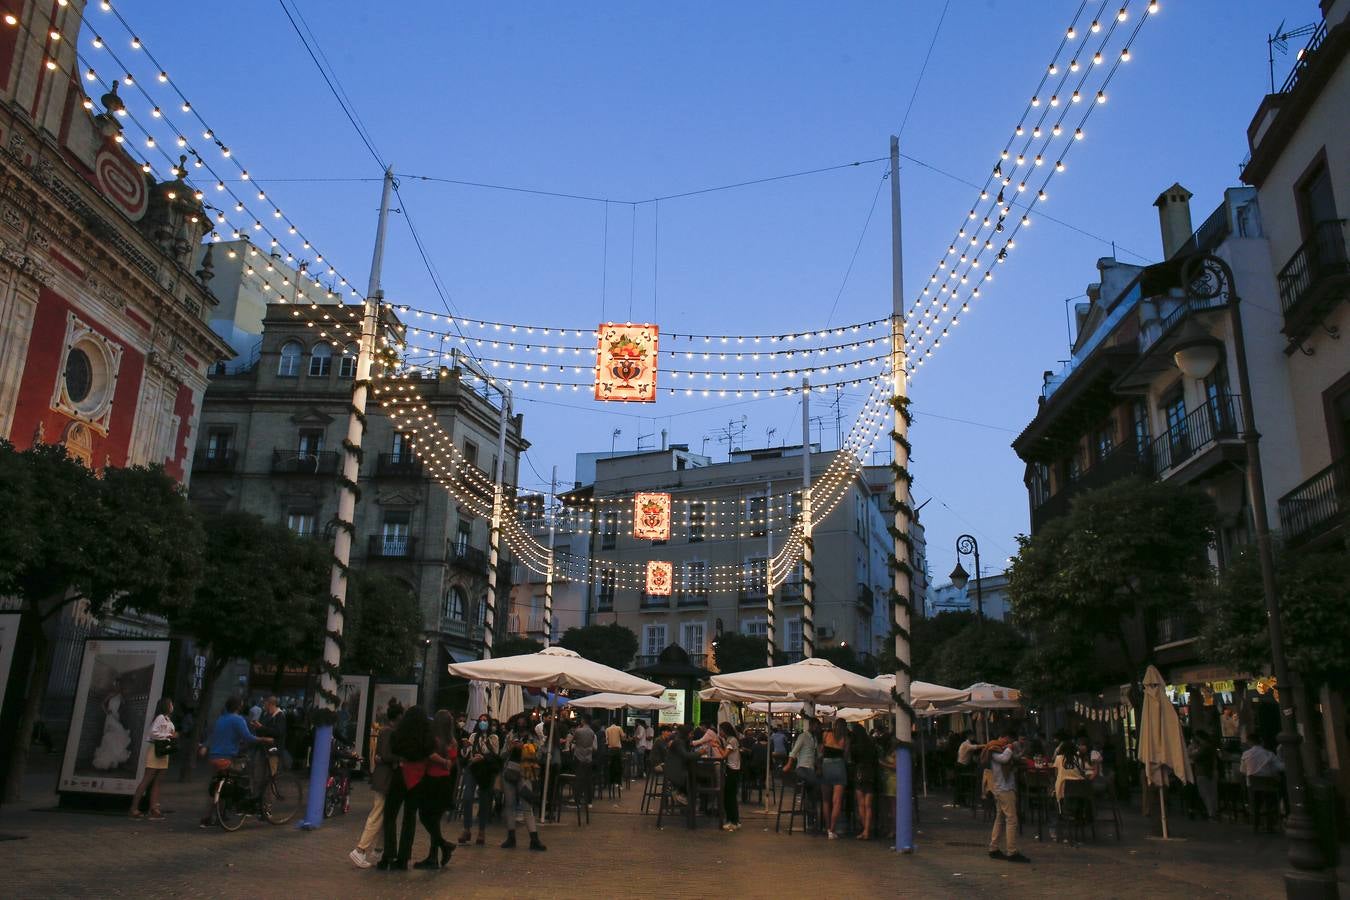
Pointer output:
635, 100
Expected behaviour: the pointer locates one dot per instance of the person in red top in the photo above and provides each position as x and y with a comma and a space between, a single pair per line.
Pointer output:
413, 744
437, 788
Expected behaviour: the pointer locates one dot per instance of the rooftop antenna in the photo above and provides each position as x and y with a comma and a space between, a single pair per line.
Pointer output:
768, 436
614, 439
1279, 41
734, 430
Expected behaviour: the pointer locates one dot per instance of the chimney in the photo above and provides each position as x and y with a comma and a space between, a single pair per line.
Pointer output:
1174, 218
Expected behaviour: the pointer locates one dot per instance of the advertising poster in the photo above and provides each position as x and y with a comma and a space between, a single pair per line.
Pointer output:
353, 701
120, 683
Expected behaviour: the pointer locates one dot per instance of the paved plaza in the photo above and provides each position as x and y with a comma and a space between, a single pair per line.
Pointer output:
620, 854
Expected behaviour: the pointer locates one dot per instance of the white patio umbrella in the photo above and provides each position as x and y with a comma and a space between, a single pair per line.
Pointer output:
813, 679
555, 668
992, 696
479, 700
790, 708
610, 700
1162, 746
511, 703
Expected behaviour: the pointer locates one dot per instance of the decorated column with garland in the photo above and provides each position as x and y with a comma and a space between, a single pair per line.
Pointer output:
808, 547
495, 534
899, 560
348, 494
552, 513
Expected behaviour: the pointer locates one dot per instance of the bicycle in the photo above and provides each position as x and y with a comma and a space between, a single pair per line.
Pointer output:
282, 795
337, 797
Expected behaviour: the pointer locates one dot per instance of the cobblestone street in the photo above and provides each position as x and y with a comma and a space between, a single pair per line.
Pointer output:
621, 853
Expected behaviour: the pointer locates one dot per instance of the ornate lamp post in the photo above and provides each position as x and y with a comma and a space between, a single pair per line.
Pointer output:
966, 545
1208, 278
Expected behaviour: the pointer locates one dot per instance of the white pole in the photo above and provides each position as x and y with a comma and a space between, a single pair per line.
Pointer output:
769, 635
548, 760
900, 599
808, 549
1162, 805
548, 578
327, 699
495, 536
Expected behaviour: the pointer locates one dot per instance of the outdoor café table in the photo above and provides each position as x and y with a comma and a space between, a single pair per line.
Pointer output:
1038, 794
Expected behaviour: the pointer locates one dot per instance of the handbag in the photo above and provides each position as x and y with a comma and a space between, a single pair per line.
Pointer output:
166, 746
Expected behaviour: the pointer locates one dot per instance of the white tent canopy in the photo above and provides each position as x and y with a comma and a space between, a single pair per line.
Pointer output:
555, 667
923, 696
610, 700
813, 679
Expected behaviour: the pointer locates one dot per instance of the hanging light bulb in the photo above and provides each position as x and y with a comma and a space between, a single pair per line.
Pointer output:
1035, 101
1038, 160
91, 75
156, 112
1036, 132
163, 76
1153, 6
1073, 65
1101, 96
1054, 100
97, 42
1096, 26
1059, 165
135, 43
208, 134
1122, 15
1125, 55
1078, 134
1054, 69
1071, 33
1019, 131
1097, 58
1041, 196
1056, 130
1076, 97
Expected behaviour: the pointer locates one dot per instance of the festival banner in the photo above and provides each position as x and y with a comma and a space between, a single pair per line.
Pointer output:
660, 576
651, 517
625, 363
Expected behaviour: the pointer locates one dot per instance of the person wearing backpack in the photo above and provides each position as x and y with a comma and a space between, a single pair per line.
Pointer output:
483, 752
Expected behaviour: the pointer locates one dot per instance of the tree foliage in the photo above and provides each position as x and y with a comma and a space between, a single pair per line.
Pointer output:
516, 645
981, 651
1124, 554
383, 626
736, 652
845, 657
124, 540
927, 636
612, 645
1314, 592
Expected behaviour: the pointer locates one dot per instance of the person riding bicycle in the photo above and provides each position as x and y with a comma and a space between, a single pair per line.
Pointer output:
229, 735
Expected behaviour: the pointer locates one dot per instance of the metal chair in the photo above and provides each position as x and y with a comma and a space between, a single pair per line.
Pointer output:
652, 788
669, 803
804, 802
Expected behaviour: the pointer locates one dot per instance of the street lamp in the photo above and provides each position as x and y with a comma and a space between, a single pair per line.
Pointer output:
1206, 278
966, 545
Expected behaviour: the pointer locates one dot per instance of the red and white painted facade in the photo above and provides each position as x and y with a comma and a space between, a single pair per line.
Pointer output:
104, 342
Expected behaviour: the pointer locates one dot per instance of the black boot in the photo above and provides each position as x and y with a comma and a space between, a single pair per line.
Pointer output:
431, 862
535, 843
447, 848
510, 840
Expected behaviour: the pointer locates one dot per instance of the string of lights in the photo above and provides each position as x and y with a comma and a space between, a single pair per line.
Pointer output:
499, 343
185, 106
1025, 220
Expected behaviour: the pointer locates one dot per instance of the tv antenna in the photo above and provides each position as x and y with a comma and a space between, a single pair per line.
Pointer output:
1280, 41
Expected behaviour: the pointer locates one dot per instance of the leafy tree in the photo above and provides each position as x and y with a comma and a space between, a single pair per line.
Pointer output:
516, 645
1315, 610
612, 645
981, 651
248, 605
1122, 555
845, 657
383, 626
126, 540
927, 635
736, 652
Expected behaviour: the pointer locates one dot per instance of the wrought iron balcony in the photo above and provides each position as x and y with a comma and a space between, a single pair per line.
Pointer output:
388, 546
790, 592
756, 594
214, 461
470, 559
1218, 420
1316, 277
1317, 505
692, 598
304, 462
650, 601
1124, 461
398, 465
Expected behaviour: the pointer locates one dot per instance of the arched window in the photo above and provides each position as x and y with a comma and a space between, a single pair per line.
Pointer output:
452, 610
347, 365
289, 365
321, 360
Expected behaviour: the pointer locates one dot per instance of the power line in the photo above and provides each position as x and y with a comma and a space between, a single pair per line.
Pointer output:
923, 69
854, 258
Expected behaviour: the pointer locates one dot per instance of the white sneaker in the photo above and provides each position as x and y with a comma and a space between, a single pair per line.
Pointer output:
359, 859
831, 835
728, 827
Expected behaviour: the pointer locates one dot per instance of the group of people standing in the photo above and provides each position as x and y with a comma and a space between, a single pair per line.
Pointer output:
419, 761
841, 756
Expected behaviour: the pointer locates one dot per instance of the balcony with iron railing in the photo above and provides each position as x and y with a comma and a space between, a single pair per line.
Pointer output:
462, 628
752, 594
470, 559
691, 598
304, 462
1318, 505
218, 461
655, 601
1203, 429
651, 659
389, 546
398, 465
1127, 460
791, 592
1314, 279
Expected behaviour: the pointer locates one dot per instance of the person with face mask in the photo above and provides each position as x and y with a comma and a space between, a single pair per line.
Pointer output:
482, 754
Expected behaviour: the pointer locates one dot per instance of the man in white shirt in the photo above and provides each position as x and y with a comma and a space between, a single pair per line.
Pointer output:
642, 743
966, 753
1260, 760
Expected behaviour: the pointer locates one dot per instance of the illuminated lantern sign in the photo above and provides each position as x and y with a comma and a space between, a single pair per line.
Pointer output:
660, 576
651, 517
625, 363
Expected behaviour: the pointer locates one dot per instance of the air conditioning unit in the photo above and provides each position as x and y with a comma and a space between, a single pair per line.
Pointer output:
825, 632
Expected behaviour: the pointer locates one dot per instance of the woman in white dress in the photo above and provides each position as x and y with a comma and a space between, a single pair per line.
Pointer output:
161, 729
115, 748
